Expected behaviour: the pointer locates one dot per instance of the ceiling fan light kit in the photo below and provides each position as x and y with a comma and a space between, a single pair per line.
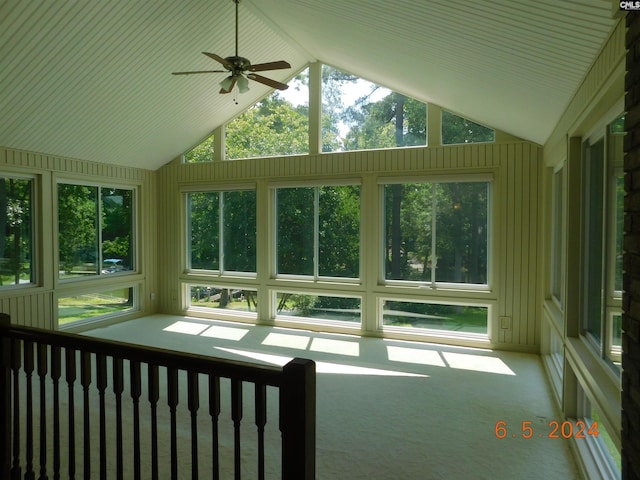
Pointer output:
238, 67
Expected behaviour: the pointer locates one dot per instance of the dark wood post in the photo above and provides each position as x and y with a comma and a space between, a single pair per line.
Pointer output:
298, 420
5, 397
631, 258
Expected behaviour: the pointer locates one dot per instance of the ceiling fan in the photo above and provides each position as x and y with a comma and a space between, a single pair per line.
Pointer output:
241, 69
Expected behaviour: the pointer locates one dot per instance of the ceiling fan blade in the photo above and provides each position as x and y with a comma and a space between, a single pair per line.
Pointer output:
261, 67
199, 71
233, 84
225, 63
267, 81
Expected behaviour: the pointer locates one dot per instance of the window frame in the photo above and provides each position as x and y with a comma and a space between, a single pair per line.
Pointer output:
558, 273
315, 277
611, 300
220, 272
135, 229
432, 332
306, 320
35, 267
488, 178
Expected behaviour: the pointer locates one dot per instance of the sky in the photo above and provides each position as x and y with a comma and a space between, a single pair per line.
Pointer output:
350, 93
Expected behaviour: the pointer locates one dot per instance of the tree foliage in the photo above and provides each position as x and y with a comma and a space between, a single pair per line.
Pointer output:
324, 222
94, 224
16, 237
271, 127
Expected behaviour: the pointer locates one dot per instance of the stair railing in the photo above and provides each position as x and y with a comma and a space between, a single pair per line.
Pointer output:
82, 363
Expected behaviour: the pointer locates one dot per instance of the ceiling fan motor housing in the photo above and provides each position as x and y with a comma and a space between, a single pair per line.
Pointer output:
237, 64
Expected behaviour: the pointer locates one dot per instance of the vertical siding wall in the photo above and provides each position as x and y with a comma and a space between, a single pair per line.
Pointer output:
631, 259
516, 167
35, 306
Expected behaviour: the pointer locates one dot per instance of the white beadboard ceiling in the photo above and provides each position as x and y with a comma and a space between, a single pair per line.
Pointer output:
92, 79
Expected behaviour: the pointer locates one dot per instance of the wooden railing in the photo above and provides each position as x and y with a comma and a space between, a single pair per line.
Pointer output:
48, 430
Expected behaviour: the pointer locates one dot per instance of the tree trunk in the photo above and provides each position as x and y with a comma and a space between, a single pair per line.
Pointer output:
224, 298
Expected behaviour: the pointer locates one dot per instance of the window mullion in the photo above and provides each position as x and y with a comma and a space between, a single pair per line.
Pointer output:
100, 229
316, 232
434, 257
221, 232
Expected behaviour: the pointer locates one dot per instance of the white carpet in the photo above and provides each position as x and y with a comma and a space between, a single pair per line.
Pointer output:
390, 409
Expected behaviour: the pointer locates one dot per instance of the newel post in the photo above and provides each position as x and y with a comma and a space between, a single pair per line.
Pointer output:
298, 420
5, 397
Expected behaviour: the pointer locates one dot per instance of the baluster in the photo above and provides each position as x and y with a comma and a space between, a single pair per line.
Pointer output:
154, 395
101, 384
136, 391
29, 474
70, 374
5, 398
214, 411
16, 363
85, 380
172, 400
194, 404
118, 387
56, 373
42, 374
236, 416
261, 421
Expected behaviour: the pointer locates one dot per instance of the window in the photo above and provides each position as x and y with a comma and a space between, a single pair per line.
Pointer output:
235, 300
465, 319
456, 129
318, 231
323, 308
204, 152
557, 239
602, 261
16, 224
437, 232
278, 125
89, 306
95, 226
598, 448
222, 231
360, 115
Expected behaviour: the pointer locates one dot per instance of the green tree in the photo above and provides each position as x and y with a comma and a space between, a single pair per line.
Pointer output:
77, 226
271, 127
203, 152
117, 224
339, 231
456, 129
15, 228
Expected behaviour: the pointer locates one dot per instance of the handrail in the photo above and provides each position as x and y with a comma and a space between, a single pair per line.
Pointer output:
19, 345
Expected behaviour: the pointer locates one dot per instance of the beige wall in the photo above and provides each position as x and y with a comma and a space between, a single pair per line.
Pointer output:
37, 305
516, 169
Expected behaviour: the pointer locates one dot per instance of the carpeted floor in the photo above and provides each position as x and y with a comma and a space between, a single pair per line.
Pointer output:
391, 409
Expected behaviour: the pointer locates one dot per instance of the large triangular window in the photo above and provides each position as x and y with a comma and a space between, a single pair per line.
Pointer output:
277, 125
360, 115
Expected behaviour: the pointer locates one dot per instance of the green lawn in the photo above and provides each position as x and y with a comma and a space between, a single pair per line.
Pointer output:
82, 307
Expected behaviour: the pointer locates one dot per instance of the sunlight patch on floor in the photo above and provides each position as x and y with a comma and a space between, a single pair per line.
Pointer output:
225, 333
477, 363
322, 367
340, 347
298, 342
189, 328
415, 355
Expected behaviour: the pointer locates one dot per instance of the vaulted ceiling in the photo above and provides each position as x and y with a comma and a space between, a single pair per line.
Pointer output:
92, 80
